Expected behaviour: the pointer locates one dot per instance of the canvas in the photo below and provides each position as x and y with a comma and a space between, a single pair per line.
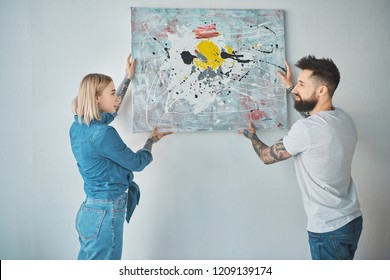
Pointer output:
207, 69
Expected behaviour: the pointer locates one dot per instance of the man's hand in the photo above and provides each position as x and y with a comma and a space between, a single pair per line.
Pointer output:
268, 155
286, 78
249, 132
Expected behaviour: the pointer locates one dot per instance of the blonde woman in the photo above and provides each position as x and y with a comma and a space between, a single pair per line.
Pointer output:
106, 165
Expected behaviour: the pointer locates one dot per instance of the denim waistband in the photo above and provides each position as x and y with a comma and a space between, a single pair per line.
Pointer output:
89, 200
131, 198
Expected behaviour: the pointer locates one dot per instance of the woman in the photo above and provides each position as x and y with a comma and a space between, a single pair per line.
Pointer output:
106, 165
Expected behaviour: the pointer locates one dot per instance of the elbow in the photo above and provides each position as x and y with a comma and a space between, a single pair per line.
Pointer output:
138, 169
141, 166
267, 161
144, 159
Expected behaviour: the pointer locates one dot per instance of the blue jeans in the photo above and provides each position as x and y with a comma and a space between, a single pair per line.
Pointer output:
340, 244
99, 224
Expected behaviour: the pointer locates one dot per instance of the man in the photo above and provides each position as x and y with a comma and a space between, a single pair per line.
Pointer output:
322, 145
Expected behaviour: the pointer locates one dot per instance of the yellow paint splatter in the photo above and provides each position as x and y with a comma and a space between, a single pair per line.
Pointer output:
212, 54
229, 49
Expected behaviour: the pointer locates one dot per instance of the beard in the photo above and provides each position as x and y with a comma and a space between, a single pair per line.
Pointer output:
305, 105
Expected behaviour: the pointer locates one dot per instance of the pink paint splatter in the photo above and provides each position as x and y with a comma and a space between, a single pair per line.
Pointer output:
253, 107
172, 26
257, 115
206, 31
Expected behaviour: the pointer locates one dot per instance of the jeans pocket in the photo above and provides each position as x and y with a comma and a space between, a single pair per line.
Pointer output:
344, 245
120, 206
89, 221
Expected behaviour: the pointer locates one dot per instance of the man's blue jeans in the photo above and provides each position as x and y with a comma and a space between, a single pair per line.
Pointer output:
340, 244
99, 223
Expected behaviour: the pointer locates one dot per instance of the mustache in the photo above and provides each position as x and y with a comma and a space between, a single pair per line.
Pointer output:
298, 95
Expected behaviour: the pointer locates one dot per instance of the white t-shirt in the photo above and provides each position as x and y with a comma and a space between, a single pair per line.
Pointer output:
323, 147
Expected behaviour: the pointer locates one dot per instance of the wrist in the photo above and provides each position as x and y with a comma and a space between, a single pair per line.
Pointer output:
250, 135
148, 145
290, 88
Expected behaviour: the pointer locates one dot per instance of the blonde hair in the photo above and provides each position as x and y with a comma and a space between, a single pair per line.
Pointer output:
85, 104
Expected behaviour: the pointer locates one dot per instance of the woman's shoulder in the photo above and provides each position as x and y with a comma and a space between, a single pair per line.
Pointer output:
106, 134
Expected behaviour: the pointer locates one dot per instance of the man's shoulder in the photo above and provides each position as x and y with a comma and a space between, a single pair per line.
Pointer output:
303, 122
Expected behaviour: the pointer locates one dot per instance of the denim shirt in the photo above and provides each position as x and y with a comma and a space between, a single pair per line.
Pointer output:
104, 161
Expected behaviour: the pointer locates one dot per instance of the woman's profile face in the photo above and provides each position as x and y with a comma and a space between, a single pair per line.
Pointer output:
108, 101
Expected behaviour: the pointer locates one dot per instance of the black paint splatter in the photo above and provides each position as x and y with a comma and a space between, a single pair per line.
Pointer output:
187, 57
165, 48
234, 56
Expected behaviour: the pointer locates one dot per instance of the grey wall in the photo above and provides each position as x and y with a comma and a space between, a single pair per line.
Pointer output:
206, 195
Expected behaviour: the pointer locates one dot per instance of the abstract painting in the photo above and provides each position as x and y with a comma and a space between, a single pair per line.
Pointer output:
207, 69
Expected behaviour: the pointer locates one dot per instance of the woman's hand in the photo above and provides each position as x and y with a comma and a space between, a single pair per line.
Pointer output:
130, 67
155, 136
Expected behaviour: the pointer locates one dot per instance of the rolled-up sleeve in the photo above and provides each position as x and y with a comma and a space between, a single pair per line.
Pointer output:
109, 144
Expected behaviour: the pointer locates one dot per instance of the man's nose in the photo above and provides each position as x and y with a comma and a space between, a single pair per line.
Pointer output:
294, 90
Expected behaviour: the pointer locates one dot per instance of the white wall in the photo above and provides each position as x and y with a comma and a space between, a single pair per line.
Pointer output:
206, 195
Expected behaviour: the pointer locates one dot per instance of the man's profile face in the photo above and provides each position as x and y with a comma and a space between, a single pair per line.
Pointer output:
305, 92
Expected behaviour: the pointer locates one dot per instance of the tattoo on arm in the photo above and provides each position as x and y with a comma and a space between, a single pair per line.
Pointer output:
148, 145
269, 155
248, 134
122, 90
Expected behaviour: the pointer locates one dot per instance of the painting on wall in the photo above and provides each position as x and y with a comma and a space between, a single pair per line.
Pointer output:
207, 69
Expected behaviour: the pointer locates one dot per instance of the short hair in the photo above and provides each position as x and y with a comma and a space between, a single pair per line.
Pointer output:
85, 104
323, 69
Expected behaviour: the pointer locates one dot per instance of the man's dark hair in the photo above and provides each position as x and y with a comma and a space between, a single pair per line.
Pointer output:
324, 70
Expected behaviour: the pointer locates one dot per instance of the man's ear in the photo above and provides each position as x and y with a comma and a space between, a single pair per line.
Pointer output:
323, 90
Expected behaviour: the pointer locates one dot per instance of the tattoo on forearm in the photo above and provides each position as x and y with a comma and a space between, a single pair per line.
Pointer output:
148, 145
122, 90
151, 140
250, 135
269, 155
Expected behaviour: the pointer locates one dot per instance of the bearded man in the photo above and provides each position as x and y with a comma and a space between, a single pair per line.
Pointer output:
322, 145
